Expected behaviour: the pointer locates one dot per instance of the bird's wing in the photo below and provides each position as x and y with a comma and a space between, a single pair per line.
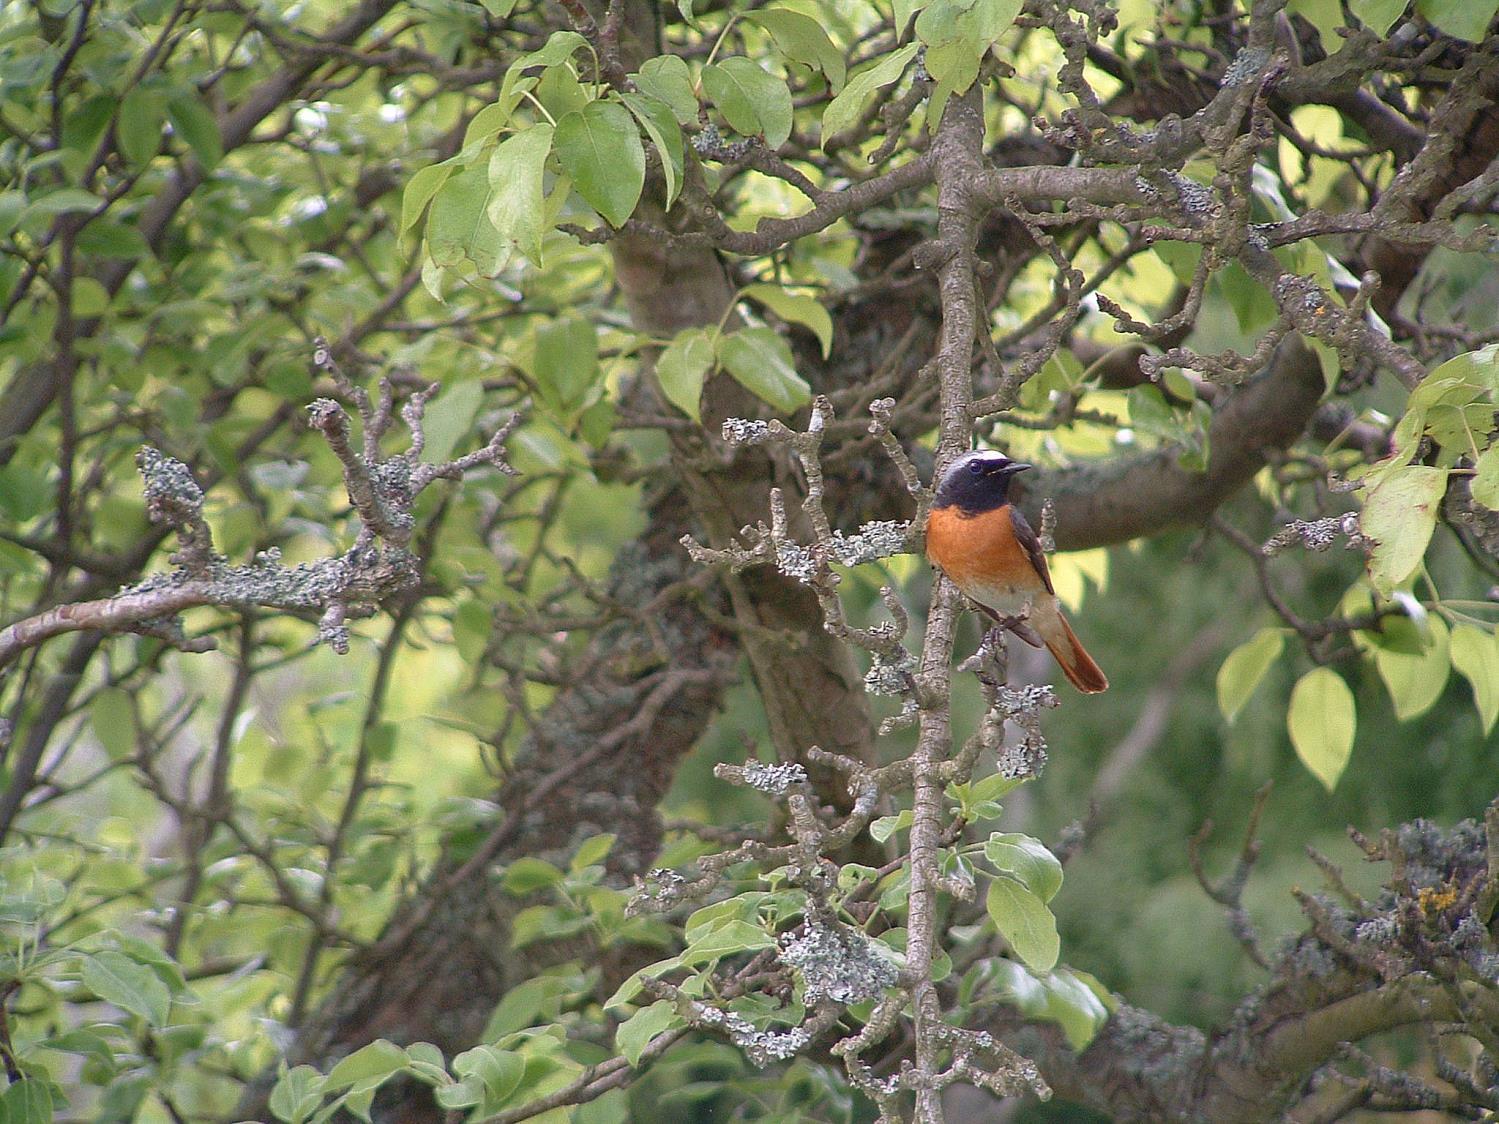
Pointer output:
1032, 545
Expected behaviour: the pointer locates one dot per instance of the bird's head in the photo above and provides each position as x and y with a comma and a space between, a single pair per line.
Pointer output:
978, 481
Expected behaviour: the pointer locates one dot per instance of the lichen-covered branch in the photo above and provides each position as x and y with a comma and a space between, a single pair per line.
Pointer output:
349, 586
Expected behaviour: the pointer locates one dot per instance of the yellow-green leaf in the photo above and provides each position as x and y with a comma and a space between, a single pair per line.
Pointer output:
1475, 654
1322, 720
1245, 667
1399, 515
1025, 922
683, 367
599, 147
1485, 483
798, 308
636, 1032
761, 362
515, 182
751, 99
1415, 679
843, 111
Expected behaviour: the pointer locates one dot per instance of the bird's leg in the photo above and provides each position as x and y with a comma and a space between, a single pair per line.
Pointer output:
990, 663
1018, 625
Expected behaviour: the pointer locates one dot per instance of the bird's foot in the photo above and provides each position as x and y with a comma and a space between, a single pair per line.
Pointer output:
1019, 626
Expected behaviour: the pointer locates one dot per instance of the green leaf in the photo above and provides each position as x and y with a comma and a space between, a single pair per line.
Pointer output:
761, 362
751, 99
1028, 860
138, 126
373, 1062
560, 47
886, 826
457, 226
797, 308
527, 874
802, 39
1399, 515
515, 188
67, 200
1478, 368
1485, 482
661, 126
1075, 1005
1024, 921
599, 147
684, 366
843, 111
450, 418
628, 990
1416, 680
90, 297
725, 940
1322, 720
592, 852
1378, 15
667, 79
742, 907
117, 979
567, 360
194, 123
419, 192
528, 1003
958, 33
1244, 669
636, 1032
1326, 16
297, 1094
1467, 19
500, 1071
12, 204
1475, 654
27, 1102
462, 1094
24, 492
105, 238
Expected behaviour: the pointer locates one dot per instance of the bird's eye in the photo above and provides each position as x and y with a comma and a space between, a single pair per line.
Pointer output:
976, 467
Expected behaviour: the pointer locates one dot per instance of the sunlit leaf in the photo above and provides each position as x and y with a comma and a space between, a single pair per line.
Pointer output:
515, 188
761, 362
683, 367
1321, 720
636, 1032
751, 99
1475, 654
599, 147
798, 308
1415, 680
1399, 515
117, 979
1244, 669
843, 111
1025, 922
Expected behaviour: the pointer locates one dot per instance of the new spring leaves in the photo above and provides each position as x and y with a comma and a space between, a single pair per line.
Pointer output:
1444, 436
559, 136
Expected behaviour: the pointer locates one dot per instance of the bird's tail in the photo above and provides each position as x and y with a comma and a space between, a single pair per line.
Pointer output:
1075, 662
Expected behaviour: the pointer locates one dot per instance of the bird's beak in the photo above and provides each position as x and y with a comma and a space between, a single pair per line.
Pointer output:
1017, 466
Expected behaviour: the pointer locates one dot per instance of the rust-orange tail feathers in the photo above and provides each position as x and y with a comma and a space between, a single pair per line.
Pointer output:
1079, 667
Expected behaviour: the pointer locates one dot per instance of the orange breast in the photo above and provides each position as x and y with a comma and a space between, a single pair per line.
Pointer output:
981, 555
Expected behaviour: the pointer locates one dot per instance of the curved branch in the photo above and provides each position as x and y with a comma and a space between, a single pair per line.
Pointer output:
1113, 501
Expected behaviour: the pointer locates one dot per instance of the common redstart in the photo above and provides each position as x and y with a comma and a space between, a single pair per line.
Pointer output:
986, 547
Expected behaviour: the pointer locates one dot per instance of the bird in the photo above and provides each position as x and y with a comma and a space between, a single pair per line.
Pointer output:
985, 546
